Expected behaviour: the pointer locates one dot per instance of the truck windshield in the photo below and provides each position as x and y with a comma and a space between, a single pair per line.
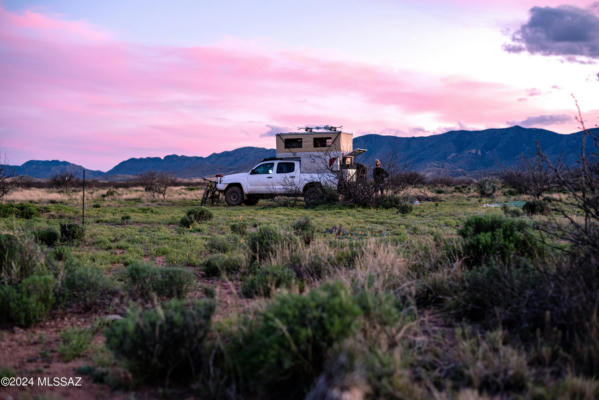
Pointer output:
263, 169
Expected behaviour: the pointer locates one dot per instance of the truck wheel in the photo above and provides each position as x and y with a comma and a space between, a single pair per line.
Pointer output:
313, 195
234, 195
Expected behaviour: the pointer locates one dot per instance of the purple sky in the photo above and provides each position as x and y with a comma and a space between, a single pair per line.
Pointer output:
98, 82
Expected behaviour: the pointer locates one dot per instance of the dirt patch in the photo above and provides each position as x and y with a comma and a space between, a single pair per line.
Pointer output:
32, 353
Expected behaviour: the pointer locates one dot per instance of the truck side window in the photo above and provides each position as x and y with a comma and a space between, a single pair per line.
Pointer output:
293, 143
322, 142
263, 169
285, 167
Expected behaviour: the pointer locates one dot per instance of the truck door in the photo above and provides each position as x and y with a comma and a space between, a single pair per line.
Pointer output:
287, 177
260, 179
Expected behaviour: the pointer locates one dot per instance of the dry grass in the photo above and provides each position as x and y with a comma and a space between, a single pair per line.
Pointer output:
39, 195
380, 267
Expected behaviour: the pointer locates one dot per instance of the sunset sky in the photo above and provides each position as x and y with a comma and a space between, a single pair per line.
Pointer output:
97, 82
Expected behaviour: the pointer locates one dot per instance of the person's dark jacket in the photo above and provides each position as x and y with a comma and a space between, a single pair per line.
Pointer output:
379, 175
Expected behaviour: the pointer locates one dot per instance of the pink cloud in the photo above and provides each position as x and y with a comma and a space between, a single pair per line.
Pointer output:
71, 91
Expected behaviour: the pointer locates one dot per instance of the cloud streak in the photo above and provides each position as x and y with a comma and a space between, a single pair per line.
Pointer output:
70, 91
543, 120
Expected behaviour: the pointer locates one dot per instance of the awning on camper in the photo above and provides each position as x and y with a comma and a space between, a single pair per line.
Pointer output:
355, 153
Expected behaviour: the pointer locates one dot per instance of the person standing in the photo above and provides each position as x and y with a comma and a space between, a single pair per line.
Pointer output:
379, 175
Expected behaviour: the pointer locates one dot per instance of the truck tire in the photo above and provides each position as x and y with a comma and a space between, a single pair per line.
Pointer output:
234, 195
313, 195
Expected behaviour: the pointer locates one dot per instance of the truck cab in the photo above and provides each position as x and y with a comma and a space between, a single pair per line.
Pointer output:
272, 177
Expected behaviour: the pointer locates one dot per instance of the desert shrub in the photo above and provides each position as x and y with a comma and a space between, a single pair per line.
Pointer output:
532, 302
60, 253
19, 258
359, 193
304, 229
533, 207
200, 214
71, 233
401, 180
513, 212
364, 370
266, 240
19, 210
389, 201
87, 287
282, 349
219, 244
125, 219
223, 263
489, 365
491, 238
165, 343
384, 308
48, 236
186, 221
405, 208
73, 343
8, 296
27, 211
491, 294
266, 279
109, 193
29, 302
433, 289
143, 279
239, 228
308, 265
330, 195
486, 187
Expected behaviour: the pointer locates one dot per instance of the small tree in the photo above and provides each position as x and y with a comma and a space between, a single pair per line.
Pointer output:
401, 176
486, 187
155, 183
6, 183
582, 184
532, 176
64, 181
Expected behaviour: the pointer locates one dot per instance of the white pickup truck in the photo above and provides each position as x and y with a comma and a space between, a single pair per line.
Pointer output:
272, 177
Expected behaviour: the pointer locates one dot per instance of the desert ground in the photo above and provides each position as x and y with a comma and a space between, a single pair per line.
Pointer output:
437, 293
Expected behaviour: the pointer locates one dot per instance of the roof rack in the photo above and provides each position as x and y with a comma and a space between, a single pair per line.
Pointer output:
330, 128
282, 158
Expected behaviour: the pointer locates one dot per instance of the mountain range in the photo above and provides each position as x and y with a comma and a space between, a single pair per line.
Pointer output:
455, 153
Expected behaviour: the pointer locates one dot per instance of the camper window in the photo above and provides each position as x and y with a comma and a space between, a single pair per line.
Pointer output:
322, 142
263, 169
285, 167
293, 143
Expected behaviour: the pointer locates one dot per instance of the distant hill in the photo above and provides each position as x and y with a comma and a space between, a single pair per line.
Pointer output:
466, 152
189, 167
47, 169
453, 153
